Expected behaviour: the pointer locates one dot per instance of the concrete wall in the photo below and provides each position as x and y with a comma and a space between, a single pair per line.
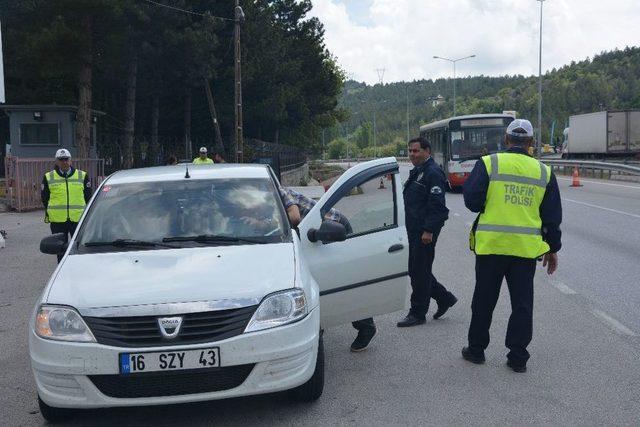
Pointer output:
294, 177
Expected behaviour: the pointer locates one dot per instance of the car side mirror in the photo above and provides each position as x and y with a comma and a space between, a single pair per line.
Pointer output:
329, 231
55, 244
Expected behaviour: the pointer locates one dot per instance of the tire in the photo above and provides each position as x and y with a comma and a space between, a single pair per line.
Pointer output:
54, 415
312, 389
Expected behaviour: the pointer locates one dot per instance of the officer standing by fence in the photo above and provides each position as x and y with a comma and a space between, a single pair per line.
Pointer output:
65, 192
425, 213
520, 214
202, 158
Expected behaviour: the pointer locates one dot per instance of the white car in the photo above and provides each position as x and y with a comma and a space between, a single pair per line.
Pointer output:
186, 283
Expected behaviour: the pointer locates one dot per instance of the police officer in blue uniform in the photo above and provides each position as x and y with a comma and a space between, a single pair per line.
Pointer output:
425, 214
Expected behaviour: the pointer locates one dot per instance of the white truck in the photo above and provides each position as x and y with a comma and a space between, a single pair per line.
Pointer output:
604, 134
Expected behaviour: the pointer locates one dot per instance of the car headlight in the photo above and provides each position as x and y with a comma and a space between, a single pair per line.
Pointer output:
62, 323
279, 309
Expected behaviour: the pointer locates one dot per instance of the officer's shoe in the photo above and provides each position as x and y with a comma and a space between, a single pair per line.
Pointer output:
363, 340
516, 367
444, 306
469, 356
411, 320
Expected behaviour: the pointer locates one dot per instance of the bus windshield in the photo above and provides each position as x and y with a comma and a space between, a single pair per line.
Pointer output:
473, 143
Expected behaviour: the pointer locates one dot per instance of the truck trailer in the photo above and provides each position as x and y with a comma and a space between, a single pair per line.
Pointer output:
604, 134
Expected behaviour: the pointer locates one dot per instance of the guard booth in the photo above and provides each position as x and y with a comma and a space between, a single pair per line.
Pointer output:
36, 132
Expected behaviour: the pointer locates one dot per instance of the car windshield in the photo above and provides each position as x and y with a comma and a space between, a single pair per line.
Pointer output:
156, 215
474, 143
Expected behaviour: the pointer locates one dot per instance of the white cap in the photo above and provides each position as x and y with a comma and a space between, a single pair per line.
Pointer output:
63, 153
521, 128
203, 150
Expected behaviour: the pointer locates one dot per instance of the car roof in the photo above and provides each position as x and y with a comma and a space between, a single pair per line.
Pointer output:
178, 172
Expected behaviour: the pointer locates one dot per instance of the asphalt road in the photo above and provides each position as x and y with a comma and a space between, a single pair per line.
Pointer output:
585, 353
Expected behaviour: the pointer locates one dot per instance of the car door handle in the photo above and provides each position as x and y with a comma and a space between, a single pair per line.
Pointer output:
395, 248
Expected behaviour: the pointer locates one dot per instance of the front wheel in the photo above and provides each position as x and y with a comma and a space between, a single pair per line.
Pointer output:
312, 389
54, 415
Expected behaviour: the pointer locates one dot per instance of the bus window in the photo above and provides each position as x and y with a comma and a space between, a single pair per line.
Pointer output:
476, 142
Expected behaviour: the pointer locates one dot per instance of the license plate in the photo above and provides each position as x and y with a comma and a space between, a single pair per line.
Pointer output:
135, 363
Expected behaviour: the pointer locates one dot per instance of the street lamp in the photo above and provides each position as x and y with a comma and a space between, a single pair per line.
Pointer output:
453, 61
539, 86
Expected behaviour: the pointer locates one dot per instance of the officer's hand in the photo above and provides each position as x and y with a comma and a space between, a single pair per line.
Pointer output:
550, 261
427, 237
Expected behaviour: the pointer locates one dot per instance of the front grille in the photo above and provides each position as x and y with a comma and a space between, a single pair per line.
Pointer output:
174, 383
143, 331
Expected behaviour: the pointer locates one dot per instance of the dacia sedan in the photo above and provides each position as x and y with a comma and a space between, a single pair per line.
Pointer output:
186, 283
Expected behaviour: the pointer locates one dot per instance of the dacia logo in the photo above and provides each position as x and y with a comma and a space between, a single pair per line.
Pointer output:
170, 326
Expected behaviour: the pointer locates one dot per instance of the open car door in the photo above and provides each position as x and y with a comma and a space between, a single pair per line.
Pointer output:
366, 273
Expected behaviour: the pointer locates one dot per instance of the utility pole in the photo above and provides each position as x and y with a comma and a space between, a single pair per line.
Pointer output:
539, 87
375, 144
406, 93
214, 117
239, 17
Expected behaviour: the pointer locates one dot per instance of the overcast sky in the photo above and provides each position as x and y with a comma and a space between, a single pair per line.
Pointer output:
402, 36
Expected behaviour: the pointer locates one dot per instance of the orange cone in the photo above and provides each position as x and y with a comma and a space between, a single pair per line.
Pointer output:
575, 182
381, 187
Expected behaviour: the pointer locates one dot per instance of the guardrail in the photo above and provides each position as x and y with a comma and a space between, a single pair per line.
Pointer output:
593, 165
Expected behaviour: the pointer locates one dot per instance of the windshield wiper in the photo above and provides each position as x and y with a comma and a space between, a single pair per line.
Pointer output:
213, 238
129, 242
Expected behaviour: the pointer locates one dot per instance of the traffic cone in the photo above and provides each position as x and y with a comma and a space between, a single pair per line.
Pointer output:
575, 182
381, 187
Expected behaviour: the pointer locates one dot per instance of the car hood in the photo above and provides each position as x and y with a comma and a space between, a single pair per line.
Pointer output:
173, 275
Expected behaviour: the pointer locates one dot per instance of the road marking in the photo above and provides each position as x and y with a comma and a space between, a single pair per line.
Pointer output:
563, 288
456, 214
619, 327
601, 207
601, 183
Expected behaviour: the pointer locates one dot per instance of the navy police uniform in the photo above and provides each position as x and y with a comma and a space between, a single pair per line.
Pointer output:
425, 210
519, 272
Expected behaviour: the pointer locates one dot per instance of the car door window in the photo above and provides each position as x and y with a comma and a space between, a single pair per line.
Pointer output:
366, 208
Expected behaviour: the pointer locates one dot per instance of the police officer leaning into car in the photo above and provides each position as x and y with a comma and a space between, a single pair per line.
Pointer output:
520, 214
425, 214
65, 192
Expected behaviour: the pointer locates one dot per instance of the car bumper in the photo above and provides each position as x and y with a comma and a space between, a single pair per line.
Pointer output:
283, 358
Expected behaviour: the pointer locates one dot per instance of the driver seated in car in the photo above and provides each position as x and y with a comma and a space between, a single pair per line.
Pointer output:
298, 206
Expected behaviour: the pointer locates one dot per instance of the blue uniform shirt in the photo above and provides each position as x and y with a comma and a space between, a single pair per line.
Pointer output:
425, 208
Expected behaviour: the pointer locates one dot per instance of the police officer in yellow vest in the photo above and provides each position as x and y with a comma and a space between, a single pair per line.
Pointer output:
202, 159
65, 192
520, 214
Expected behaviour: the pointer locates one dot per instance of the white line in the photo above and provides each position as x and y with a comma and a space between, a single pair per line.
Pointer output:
619, 327
563, 288
456, 214
601, 207
601, 183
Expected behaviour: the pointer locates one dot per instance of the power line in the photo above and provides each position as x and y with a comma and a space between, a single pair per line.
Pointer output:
187, 11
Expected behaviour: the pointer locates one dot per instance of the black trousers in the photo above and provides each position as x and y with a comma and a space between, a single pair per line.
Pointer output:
490, 271
68, 228
424, 285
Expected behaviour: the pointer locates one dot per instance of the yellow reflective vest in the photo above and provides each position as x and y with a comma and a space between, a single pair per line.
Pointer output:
66, 200
511, 223
199, 161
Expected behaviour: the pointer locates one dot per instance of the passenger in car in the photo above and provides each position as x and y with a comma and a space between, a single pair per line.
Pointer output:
298, 206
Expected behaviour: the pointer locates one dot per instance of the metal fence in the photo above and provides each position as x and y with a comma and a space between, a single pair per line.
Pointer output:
288, 157
590, 165
24, 176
